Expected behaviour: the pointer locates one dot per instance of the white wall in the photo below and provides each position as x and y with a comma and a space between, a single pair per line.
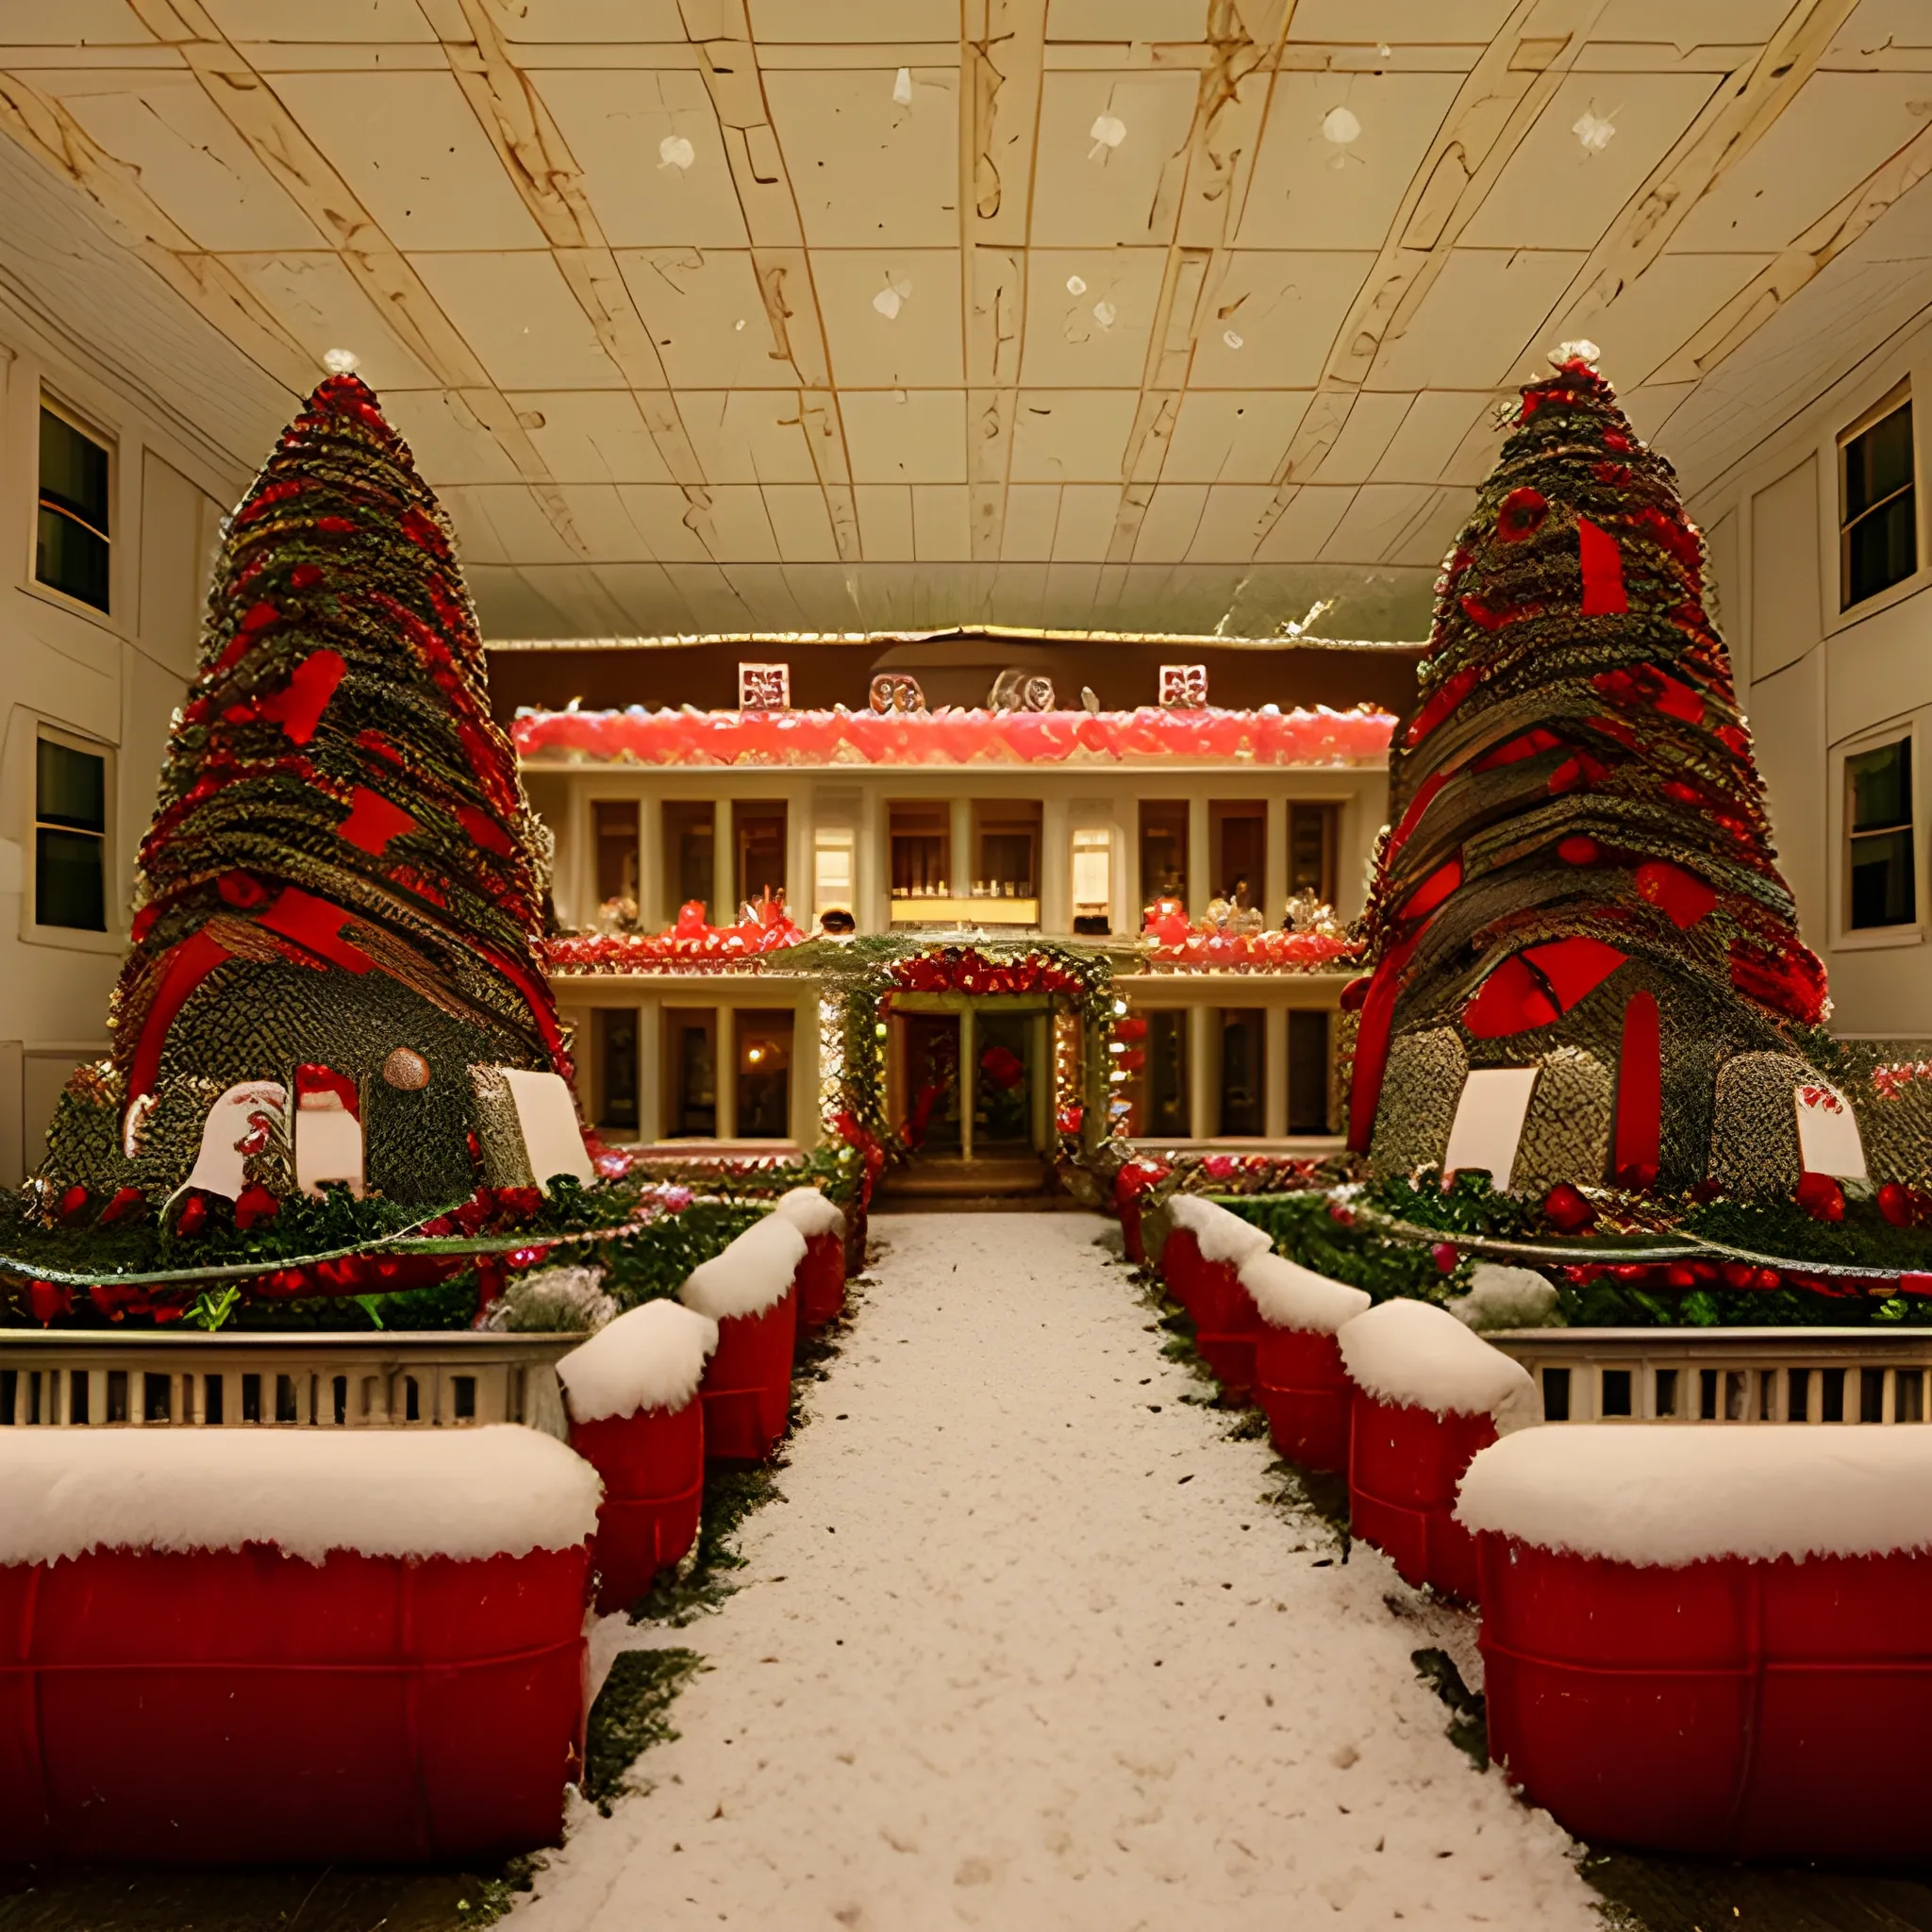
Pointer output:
1815, 680
109, 680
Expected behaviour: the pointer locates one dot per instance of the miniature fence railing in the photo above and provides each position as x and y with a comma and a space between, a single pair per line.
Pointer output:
1727, 1374
85, 1379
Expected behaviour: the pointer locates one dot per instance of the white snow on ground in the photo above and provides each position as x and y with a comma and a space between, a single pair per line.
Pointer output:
1024, 1649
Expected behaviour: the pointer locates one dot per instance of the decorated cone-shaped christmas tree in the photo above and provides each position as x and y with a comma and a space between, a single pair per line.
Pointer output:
340, 888
1577, 919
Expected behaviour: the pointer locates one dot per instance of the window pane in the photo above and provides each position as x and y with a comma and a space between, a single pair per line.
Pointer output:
71, 788
71, 557
1168, 1110
1878, 461
1883, 893
69, 888
688, 859
1882, 548
1241, 1035
74, 470
758, 831
617, 852
692, 1073
616, 1040
1307, 850
1307, 1072
1163, 849
764, 1075
1238, 835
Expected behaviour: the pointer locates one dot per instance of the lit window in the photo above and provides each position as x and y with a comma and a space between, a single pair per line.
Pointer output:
1880, 875
1878, 506
71, 549
764, 1074
69, 838
831, 870
1093, 881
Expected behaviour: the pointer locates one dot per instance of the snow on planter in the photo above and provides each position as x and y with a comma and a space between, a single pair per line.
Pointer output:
1201, 1260
251, 1646
1501, 1297
822, 1274
1428, 1395
749, 1290
629, 1391
1299, 1380
1713, 1641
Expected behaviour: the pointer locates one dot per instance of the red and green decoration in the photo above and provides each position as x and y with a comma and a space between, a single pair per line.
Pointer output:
1579, 854
336, 794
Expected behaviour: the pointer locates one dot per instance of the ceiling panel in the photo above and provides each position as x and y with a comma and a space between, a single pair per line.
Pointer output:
866, 171
410, 146
790, 406
1484, 309
707, 319
164, 129
913, 340
1083, 198
1556, 192
616, 122
1309, 192
517, 312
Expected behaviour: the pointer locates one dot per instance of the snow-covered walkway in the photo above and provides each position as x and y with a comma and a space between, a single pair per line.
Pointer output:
1024, 1649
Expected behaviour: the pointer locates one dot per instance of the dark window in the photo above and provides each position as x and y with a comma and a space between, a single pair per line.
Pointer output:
465, 1386
1880, 869
764, 1074
1007, 858
688, 859
156, 1397
920, 838
69, 838
1241, 1032
1616, 1391
1556, 1395
1910, 1405
758, 836
1164, 850
70, 545
1309, 1071
212, 1401
1879, 516
1831, 1392
1238, 859
691, 1067
616, 823
1667, 1391
1311, 851
1797, 1395
1165, 1110
1871, 1396
615, 1032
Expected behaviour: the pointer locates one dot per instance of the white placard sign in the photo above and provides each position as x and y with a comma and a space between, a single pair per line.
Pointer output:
1828, 1138
553, 1142
242, 1121
1489, 1122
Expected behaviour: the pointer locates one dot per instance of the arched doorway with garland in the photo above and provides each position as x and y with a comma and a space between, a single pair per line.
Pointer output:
979, 1064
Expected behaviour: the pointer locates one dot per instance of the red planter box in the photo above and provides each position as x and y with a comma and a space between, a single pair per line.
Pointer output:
747, 1386
1403, 1465
1181, 1265
653, 1466
242, 1707
1737, 1709
821, 1280
1300, 1383
1226, 1325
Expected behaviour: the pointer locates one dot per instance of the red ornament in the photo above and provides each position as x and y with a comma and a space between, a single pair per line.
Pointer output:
1895, 1203
1522, 515
46, 1300
1580, 850
1445, 1257
73, 1204
255, 1203
1566, 1209
1821, 1197
192, 1217
125, 1202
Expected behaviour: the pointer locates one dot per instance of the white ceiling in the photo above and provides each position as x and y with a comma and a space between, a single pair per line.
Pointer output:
1203, 377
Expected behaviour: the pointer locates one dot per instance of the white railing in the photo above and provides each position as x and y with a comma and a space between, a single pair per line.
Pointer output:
69, 1378
1727, 1374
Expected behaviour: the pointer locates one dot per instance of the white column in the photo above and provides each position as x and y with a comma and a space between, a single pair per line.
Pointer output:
959, 860
1274, 865
872, 862
1204, 1072
798, 880
1199, 890
1055, 868
726, 1074
723, 871
1275, 1071
650, 1070
652, 911
805, 1071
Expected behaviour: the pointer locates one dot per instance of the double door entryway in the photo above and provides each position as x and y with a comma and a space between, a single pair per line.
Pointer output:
971, 1078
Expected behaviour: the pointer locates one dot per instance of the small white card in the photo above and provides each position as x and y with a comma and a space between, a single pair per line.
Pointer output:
553, 1142
1489, 1122
1828, 1138
242, 1121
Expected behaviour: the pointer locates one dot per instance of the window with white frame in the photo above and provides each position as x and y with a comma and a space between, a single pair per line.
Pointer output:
832, 881
1881, 872
1878, 516
71, 549
1093, 879
70, 836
